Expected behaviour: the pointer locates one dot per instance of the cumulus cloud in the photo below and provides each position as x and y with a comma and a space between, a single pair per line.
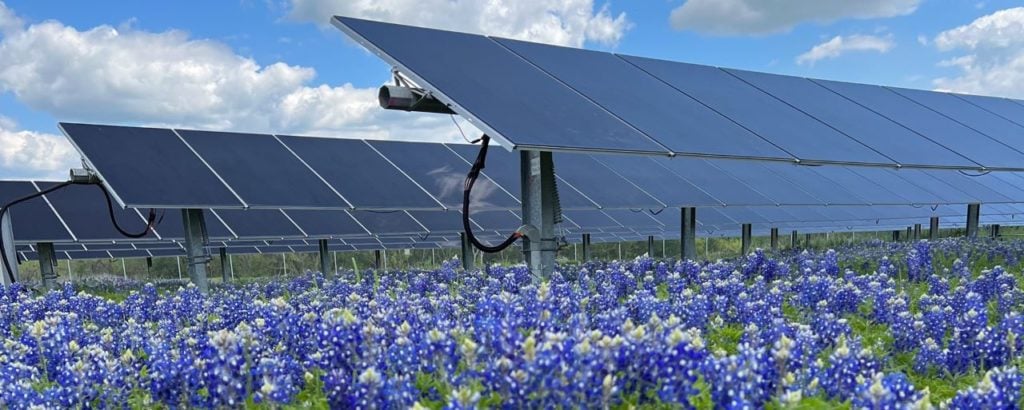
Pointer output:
566, 22
752, 17
29, 154
992, 55
9, 22
105, 74
840, 45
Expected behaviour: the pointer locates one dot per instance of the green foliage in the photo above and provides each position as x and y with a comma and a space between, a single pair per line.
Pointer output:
726, 338
702, 400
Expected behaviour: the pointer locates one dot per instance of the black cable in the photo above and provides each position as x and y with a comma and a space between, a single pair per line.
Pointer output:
474, 173
150, 220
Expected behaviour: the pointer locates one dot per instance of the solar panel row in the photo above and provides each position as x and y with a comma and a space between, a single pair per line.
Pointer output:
535, 96
307, 176
77, 221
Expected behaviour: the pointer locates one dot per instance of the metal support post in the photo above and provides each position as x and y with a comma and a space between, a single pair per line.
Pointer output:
973, 215
195, 247
775, 238
325, 258
807, 240
468, 260
910, 233
9, 250
224, 276
917, 232
688, 234
994, 231
896, 235
586, 247
793, 241
537, 173
933, 228
650, 246
377, 265
47, 264
745, 239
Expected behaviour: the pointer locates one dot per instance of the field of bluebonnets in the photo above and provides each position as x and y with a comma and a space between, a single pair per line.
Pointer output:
876, 325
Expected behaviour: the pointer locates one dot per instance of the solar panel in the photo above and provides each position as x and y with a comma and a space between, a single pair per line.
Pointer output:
600, 184
591, 219
672, 118
718, 184
264, 174
1002, 107
388, 223
632, 219
812, 182
439, 222
258, 223
496, 220
472, 70
849, 118
124, 157
796, 132
348, 164
324, 224
938, 128
88, 255
851, 181
657, 181
442, 173
767, 183
158, 253
970, 115
32, 220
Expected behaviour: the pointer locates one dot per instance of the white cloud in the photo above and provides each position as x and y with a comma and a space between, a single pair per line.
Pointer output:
9, 22
130, 76
839, 45
29, 154
993, 55
566, 22
746, 17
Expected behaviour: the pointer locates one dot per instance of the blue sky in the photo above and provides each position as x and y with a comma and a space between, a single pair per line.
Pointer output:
265, 65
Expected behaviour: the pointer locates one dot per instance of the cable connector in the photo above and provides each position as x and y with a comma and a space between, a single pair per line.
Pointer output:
83, 176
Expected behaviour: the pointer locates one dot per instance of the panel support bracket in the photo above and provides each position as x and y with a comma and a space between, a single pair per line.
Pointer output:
9, 249
466, 255
586, 247
537, 173
688, 234
973, 216
225, 266
933, 228
325, 259
47, 264
196, 240
745, 239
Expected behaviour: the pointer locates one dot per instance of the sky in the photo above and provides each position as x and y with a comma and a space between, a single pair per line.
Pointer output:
278, 66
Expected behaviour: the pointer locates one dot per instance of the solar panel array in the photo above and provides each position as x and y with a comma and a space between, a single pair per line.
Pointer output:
306, 176
75, 219
535, 97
